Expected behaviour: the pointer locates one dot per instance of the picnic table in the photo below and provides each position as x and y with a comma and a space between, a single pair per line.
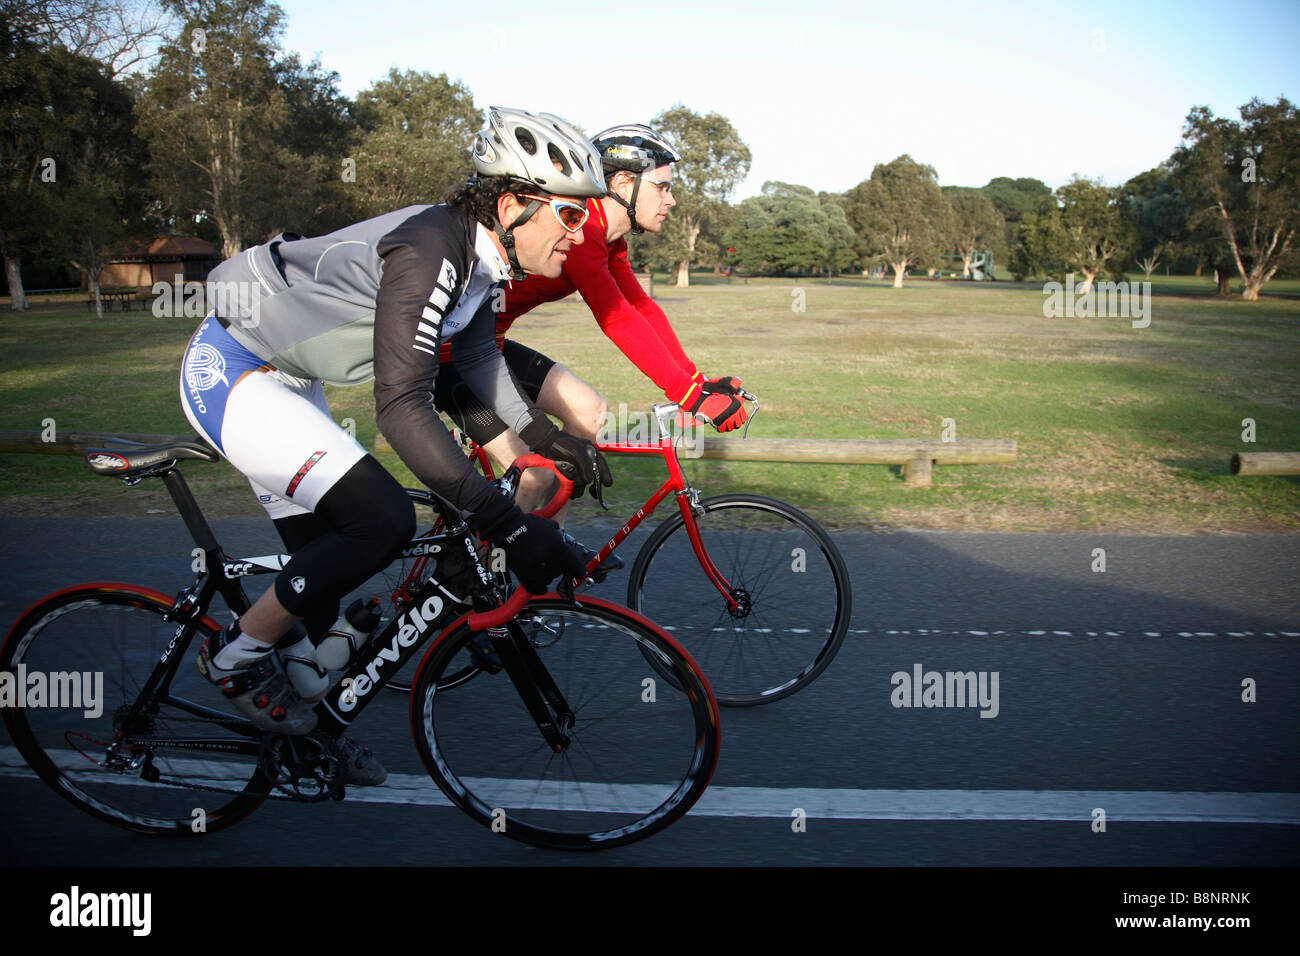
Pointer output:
109, 296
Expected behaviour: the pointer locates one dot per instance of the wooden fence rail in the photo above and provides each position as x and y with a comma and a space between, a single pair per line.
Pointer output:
1266, 463
916, 456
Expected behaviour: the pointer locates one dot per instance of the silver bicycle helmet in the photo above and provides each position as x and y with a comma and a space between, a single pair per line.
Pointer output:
541, 150
636, 149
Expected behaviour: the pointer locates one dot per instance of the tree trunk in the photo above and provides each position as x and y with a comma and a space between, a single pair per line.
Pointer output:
94, 290
1224, 279
91, 275
1198, 270
965, 266
898, 273
1257, 279
684, 267
1088, 278
682, 273
14, 274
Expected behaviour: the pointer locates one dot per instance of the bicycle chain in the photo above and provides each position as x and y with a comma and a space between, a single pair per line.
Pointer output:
269, 762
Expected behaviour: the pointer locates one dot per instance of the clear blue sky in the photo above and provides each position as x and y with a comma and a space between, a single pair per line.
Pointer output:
822, 90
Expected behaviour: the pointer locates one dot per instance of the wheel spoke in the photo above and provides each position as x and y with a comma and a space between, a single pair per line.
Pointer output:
634, 740
117, 637
792, 584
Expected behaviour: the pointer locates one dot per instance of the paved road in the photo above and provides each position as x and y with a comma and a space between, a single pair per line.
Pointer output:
1119, 689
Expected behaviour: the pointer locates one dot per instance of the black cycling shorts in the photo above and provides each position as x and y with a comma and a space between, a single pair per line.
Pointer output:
453, 397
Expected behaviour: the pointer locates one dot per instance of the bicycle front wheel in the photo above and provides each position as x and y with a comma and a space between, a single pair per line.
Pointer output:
637, 750
179, 769
789, 581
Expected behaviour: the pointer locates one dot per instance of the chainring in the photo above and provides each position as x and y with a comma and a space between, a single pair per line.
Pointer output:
307, 767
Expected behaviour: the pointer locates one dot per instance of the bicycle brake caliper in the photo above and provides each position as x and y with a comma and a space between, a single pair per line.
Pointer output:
697, 509
182, 608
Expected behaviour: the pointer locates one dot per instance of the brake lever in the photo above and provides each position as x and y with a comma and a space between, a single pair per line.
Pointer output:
752, 399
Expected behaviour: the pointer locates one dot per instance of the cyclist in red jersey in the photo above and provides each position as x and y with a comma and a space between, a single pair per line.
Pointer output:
637, 163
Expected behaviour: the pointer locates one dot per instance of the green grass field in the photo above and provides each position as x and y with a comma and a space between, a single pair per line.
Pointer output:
1119, 429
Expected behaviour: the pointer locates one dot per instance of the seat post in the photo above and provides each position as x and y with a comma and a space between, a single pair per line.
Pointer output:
189, 510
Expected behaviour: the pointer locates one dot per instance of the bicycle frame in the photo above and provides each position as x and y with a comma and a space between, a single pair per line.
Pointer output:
687, 502
429, 613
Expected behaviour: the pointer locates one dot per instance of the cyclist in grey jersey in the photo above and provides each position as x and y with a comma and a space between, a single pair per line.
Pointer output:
373, 300
377, 298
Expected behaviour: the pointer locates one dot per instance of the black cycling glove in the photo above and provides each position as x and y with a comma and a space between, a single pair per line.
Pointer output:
535, 550
586, 465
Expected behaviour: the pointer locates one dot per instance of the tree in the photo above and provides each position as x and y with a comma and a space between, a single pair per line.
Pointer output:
1097, 235
1159, 213
900, 215
1015, 198
118, 33
1245, 178
714, 161
69, 162
24, 79
1088, 232
416, 127
239, 133
841, 252
977, 224
1018, 200
96, 196
788, 228
301, 183
781, 230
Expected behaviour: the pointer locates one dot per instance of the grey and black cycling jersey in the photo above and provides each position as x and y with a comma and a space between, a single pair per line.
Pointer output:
376, 300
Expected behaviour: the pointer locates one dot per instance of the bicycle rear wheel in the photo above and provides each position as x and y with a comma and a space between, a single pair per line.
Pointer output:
94, 647
788, 576
640, 750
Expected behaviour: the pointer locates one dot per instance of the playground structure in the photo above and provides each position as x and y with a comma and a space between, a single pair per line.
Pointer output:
981, 265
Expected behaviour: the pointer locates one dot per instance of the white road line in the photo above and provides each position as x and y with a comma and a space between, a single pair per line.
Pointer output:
1075, 806
940, 632
934, 632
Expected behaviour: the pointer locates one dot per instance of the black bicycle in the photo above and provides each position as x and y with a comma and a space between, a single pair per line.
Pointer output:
572, 739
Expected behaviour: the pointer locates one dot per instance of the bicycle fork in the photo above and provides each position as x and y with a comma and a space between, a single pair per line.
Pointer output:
737, 598
537, 689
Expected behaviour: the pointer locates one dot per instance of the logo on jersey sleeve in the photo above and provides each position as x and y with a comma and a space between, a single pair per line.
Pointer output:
426, 333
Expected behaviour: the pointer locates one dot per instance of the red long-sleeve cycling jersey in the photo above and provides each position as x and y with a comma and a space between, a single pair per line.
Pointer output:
600, 272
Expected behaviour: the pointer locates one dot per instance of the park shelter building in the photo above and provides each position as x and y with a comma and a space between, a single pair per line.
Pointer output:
142, 262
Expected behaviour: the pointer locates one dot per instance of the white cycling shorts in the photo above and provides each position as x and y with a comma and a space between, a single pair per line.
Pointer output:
275, 428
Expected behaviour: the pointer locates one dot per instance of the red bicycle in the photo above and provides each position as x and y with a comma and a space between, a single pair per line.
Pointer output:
754, 589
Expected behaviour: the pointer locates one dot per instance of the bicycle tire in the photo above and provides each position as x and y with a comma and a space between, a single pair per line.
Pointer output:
792, 574
118, 630
641, 752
